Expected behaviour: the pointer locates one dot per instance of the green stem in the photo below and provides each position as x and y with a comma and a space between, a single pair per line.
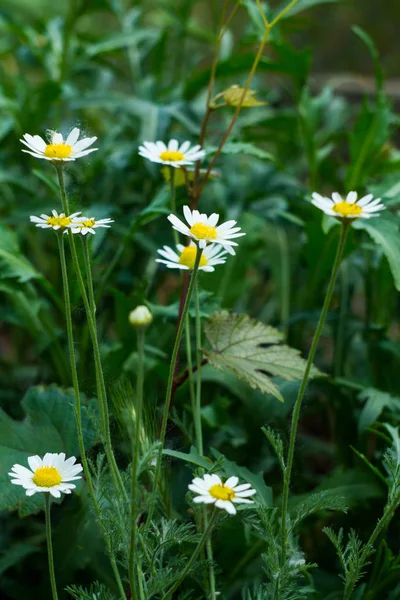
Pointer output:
199, 433
303, 385
173, 200
190, 367
341, 329
199, 356
194, 556
78, 411
174, 357
50, 547
135, 457
90, 309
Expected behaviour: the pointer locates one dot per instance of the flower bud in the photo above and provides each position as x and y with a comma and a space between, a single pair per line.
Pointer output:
233, 96
140, 317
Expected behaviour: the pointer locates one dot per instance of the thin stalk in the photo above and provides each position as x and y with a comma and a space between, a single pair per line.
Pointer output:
50, 547
174, 358
135, 457
90, 309
341, 329
78, 410
199, 356
192, 393
303, 385
199, 433
173, 200
194, 556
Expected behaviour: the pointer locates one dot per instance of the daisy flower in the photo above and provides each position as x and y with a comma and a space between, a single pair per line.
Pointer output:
203, 229
52, 473
86, 225
186, 257
58, 149
173, 154
55, 221
350, 208
211, 490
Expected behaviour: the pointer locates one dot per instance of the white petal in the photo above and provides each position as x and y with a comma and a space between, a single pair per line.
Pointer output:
204, 499
226, 505
231, 482
55, 492
351, 197
173, 145
83, 144
57, 138
337, 198
188, 215
73, 137
246, 493
34, 462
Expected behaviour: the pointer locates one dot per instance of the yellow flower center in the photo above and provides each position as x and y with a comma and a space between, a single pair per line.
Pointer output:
60, 221
203, 232
221, 492
172, 155
188, 257
88, 223
47, 477
345, 209
58, 151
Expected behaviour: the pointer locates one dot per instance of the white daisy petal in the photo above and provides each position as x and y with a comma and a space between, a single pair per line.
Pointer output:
58, 149
72, 138
52, 473
349, 208
232, 482
171, 154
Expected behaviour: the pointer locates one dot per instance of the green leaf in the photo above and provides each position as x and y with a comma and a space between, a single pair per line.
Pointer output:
384, 230
13, 264
376, 401
251, 350
301, 6
49, 426
193, 457
230, 468
374, 54
234, 148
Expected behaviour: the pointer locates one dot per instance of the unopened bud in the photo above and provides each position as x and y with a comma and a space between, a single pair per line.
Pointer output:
140, 317
233, 96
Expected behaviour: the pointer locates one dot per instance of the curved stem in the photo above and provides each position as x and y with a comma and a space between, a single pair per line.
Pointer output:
78, 410
50, 547
303, 385
172, 188
174, 357
135, 458
194, 556
90, 309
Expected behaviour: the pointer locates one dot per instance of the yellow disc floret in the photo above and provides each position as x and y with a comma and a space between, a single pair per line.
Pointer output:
88, 223
344, 209
203, 232
58, 221
188, 257
47, 477
58, 151
172, 155
221, 492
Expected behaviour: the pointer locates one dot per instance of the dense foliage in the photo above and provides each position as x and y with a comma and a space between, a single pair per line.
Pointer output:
132, 73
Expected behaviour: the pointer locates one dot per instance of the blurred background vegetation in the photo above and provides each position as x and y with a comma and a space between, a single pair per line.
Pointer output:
134, 71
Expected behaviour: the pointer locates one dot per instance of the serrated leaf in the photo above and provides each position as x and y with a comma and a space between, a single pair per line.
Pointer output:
49, 426
252, 350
